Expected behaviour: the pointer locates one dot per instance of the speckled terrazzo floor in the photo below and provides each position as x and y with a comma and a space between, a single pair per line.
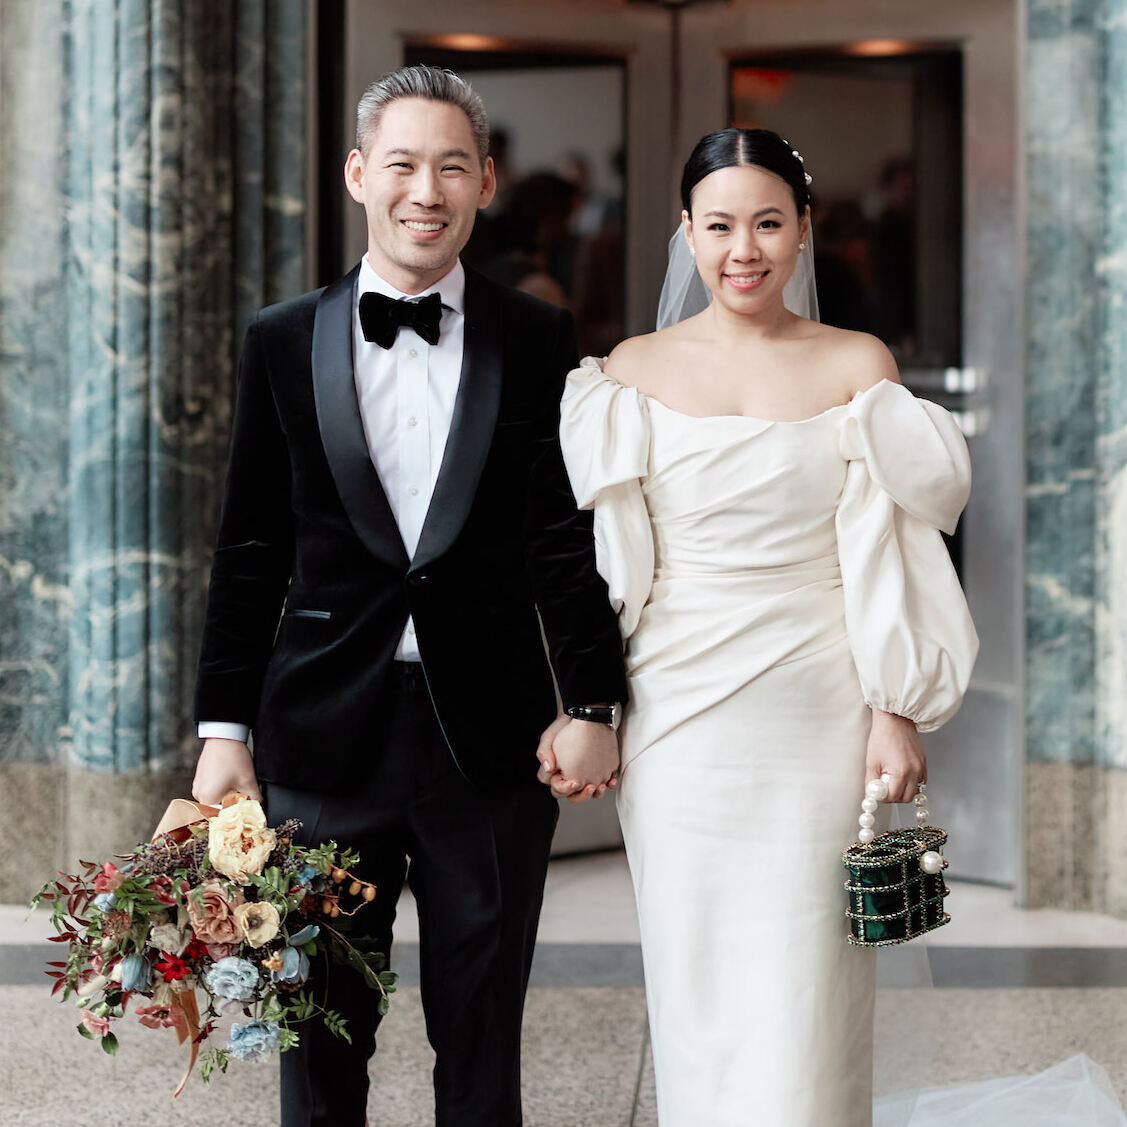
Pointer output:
1058, 987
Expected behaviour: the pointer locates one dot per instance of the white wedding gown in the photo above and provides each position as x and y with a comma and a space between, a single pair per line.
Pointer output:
772, 579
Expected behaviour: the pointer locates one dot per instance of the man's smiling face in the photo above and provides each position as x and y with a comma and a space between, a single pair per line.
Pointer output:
421, 182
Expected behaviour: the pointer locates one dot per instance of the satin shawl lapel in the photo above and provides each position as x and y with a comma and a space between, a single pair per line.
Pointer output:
471, 429
342, 432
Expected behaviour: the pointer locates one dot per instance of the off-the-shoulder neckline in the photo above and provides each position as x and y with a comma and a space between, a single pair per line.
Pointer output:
598, 365
746, 418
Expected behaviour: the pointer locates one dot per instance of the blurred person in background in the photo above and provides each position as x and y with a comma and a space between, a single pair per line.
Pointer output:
533, 244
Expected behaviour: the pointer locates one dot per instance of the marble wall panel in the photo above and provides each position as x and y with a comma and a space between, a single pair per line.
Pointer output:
1075, 89
152, 194
1112, 395
35, 600
186, 195
1063, 233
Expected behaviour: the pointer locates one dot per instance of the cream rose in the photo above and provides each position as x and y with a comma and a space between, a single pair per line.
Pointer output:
211, 911
238, 840
169, 939
259, 922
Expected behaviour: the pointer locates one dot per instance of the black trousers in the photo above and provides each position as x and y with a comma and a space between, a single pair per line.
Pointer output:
476, 861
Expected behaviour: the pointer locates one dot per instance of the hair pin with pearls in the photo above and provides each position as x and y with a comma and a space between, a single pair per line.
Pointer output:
798, 157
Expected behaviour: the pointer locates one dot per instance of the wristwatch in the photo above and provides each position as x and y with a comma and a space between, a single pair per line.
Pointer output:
597, 713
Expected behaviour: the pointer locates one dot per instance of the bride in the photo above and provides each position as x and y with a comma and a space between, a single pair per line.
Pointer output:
768, 501
768, 504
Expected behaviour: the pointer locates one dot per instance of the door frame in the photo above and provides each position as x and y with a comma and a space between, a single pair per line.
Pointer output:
981, 796
978, 760
375, 38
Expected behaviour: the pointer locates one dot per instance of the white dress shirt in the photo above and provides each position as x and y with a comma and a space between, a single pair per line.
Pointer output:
406, 395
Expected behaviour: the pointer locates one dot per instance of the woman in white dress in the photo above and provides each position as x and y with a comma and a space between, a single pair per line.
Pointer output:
768, 504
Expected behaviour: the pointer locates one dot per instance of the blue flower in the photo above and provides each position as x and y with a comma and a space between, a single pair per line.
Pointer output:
306, 935
295, 967
104, 901
136, 973
232, 978
254, 1041
307, 874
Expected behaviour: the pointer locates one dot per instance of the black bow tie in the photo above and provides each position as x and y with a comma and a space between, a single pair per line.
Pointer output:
381, 317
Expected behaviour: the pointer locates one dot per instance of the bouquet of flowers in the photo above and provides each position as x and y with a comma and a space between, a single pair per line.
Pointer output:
224, 907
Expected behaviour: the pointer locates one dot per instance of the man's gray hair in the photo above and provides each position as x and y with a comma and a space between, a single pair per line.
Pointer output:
436, 84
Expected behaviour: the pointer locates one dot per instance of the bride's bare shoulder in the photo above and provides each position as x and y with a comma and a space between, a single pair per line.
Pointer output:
859, 360
633, 359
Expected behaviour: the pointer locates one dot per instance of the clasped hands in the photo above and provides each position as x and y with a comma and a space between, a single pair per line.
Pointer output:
578, 759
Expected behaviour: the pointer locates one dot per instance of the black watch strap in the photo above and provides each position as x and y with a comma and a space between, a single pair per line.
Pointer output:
595, 713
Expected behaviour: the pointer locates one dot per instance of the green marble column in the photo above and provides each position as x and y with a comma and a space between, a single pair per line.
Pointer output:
1076, 437
34, 596
162, 199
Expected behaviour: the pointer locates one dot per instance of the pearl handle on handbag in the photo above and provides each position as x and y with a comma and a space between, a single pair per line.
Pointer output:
876, 791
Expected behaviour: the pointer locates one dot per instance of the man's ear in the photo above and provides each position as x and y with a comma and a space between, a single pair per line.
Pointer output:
354, 175
488, 184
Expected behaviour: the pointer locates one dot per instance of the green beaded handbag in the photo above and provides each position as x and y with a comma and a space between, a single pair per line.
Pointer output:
894, 880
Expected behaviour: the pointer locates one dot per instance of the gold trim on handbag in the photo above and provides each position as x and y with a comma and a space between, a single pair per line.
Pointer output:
894, 880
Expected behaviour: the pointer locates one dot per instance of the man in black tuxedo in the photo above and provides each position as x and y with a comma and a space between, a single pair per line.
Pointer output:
397, 525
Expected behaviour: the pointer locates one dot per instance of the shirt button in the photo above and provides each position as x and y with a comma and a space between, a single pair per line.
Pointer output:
413, 353
412, 421
413, 491
411, 631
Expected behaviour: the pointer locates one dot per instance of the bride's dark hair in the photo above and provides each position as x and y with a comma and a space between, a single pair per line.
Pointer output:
727, 148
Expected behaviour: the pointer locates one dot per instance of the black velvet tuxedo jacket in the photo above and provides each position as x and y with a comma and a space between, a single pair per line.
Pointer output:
311, 585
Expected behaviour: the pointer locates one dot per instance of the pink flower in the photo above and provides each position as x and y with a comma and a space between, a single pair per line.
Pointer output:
116, 926
108, 880
160, 1017
212, 912
163, 890
217, 951
99, 1026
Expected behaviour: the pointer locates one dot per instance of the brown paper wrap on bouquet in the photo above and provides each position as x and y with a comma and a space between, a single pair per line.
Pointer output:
181, 814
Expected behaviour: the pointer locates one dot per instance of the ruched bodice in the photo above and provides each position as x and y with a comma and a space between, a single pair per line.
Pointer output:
771, 578
699, 489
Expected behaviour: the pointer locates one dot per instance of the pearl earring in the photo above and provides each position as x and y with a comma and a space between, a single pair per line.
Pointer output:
801, 246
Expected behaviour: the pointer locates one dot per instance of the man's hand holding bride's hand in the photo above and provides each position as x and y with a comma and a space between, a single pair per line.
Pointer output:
224, 766
895, 750
578, 759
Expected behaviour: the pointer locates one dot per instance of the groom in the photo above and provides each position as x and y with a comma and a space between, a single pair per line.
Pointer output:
396, 528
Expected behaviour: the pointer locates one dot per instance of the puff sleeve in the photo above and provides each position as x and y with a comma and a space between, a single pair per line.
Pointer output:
907, 478
605, 435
